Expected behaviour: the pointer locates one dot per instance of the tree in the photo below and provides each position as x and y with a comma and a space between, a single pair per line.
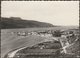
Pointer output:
56, 33
70, 32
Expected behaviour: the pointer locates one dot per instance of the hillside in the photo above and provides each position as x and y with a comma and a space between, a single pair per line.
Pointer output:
14, 22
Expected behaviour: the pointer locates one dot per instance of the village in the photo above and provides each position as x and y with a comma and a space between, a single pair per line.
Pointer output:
65, 37
67, 43
54, 33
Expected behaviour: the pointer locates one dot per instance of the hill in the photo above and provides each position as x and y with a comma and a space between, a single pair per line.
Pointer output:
15, 22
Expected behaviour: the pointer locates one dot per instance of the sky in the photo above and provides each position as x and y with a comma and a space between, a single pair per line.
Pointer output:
65, 13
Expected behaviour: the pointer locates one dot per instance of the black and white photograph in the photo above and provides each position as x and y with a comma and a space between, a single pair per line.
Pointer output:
40, 29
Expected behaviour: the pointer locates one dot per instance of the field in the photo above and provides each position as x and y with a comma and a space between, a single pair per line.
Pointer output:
11, 41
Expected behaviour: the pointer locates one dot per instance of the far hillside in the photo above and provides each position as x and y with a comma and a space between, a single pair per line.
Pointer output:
16, 22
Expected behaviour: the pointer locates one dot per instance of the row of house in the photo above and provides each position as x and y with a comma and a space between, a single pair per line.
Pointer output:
37, 33
65, 34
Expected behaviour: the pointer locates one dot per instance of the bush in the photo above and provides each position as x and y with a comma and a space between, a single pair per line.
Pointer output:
57, 33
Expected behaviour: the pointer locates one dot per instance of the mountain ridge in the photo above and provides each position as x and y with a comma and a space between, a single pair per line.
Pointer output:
16, 22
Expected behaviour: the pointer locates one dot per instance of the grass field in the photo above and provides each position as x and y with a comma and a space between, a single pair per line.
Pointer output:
11, 41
